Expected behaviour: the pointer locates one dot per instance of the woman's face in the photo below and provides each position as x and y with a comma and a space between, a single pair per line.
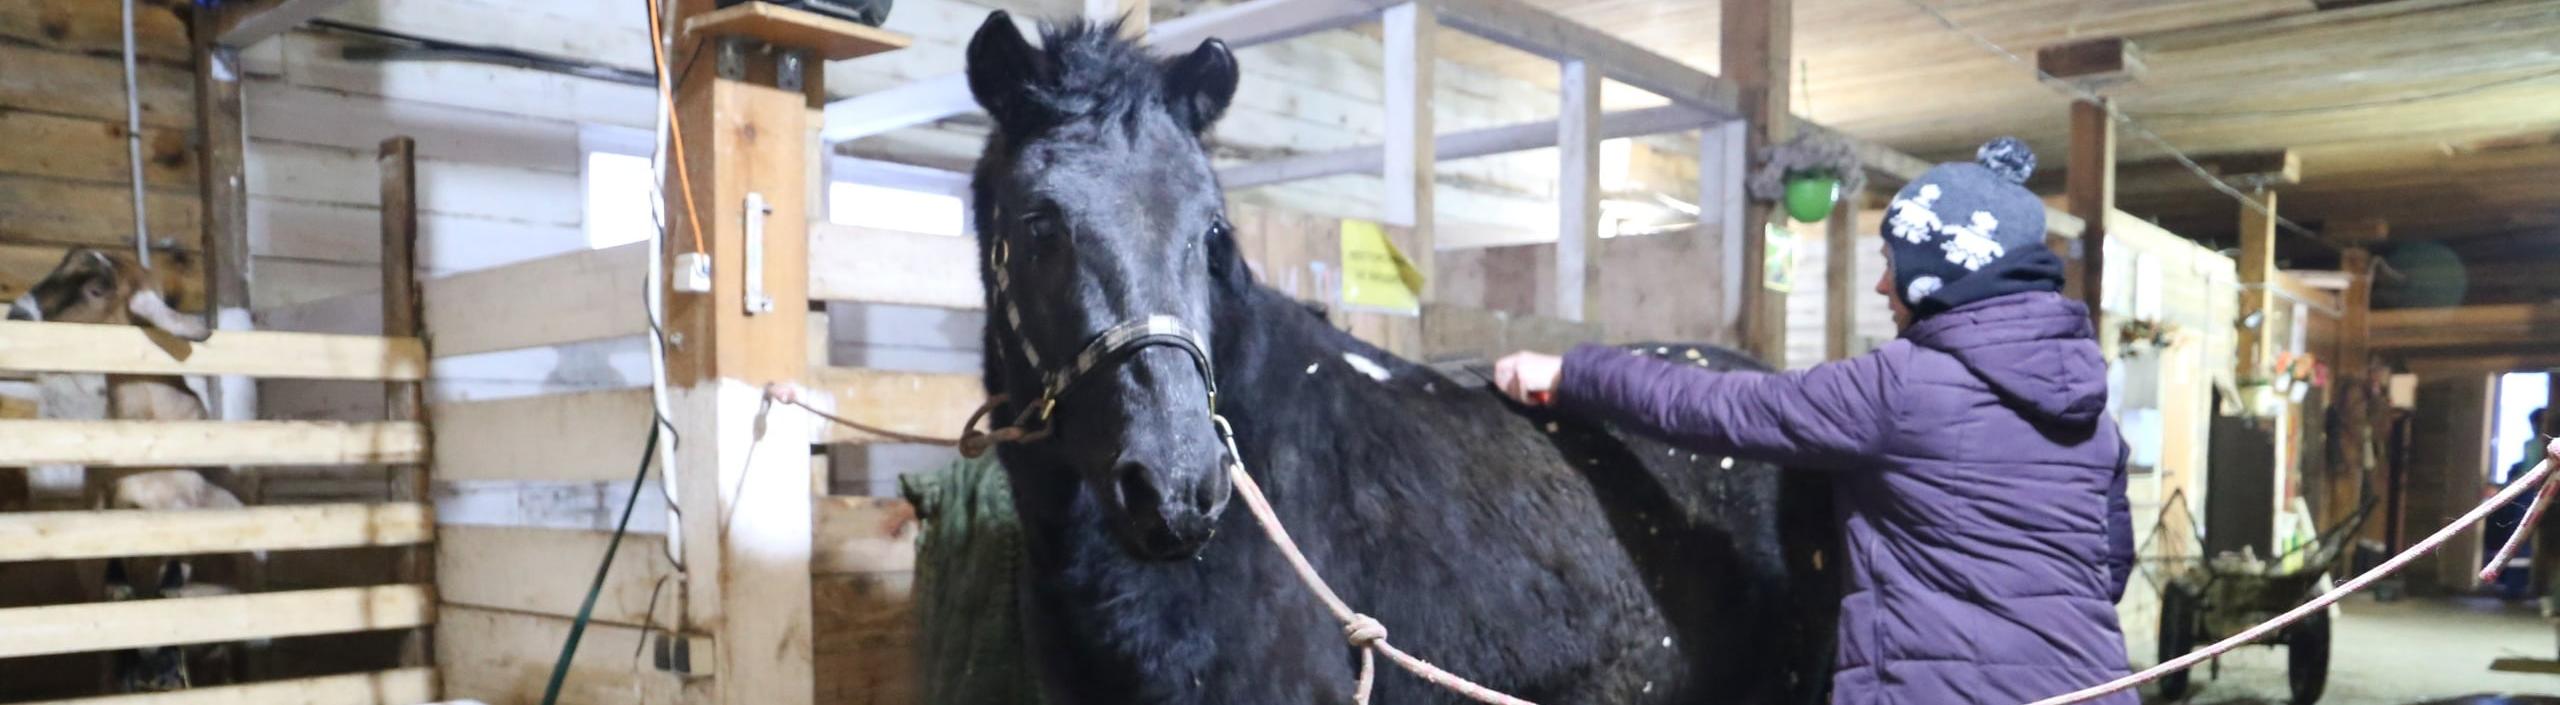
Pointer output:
1884, 288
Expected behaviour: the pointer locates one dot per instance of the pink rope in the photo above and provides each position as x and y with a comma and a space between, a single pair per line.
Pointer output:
2261, 631
2532, 517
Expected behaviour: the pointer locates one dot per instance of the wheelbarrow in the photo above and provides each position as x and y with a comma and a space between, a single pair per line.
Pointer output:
2209, 601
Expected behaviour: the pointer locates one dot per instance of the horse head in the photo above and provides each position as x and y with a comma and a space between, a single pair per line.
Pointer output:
1104, 246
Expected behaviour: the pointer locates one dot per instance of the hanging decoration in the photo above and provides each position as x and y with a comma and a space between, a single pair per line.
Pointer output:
1807, 175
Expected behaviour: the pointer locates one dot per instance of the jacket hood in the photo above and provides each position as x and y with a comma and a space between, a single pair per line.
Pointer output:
2037, 350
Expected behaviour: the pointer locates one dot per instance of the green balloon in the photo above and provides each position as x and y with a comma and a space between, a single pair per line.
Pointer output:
1809, 196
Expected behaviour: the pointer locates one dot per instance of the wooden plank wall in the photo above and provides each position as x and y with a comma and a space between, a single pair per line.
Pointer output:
63, 178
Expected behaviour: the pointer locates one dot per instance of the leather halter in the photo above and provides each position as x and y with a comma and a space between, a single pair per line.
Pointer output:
1105, 350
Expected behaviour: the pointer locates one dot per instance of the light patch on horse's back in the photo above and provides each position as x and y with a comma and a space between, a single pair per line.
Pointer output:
1366, 366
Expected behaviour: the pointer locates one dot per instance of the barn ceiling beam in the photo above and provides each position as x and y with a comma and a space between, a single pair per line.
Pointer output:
1371, 159
247, 24
1241, 25
2256, 29
2094, 62
2274, 167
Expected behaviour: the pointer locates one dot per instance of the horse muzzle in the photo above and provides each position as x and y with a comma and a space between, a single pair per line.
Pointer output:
1165, 517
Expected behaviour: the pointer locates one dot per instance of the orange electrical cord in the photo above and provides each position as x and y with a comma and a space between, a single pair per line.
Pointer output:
675, 125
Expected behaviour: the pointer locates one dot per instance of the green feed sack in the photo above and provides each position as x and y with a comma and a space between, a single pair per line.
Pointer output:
967, 563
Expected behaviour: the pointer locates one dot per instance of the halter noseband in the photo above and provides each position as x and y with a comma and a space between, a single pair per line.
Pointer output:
1110, 347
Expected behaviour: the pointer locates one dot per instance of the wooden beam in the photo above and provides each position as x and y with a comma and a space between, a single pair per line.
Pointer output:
1758, 55
107, 349
2092, 62
49, 536
1538, 31
579, 296
745, 472
2355, 328
153, 444
1454, 146
497, 567
1412, 164
405, 401
591, 436
1722, 171
2257, 275
221, 182
103, 626
914, 403
1841, 238
862, 535
506, 657
403, 686
1578, 194
868, 265
250, 23
830, 38
2091, 194
728, 125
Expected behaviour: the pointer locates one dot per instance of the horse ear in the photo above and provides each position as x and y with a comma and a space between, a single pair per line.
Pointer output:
1003, 68
1199, 85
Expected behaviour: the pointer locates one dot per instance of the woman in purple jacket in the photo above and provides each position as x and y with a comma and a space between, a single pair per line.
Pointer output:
1980, 480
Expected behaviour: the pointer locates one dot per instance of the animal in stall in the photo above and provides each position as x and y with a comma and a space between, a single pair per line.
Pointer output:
155, 669
96, 286
1560, 562
171, 490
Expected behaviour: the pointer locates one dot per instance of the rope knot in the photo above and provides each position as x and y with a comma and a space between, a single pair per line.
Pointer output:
782, 393
1364, 631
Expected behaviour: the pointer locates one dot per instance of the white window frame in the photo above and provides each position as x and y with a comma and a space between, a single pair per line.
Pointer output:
610, 139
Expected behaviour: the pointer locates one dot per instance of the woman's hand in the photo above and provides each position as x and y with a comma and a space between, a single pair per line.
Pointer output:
2555, 451
1528, 377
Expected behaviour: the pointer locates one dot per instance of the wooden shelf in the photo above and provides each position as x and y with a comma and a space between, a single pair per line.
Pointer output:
833, 39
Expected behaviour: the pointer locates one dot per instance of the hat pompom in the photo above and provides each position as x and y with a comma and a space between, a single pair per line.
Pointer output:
2009, 158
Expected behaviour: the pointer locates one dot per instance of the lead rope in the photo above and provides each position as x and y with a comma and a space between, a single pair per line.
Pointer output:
1364, 632
2350, 587
1370, 636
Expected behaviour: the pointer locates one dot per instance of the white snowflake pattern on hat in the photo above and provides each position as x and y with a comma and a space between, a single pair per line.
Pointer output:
1913, 221
1922, 287
1971, 246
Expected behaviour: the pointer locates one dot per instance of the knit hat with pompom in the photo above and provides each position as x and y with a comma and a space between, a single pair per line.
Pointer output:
1964, 232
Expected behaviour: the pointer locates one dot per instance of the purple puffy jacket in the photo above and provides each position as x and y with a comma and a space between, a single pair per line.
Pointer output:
1981, 483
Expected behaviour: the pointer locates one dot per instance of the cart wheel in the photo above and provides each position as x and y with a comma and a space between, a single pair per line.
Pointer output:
2177, 636
2307, 657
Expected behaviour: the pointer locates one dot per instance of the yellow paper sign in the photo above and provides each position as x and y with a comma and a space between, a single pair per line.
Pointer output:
1778, 263
1375, 276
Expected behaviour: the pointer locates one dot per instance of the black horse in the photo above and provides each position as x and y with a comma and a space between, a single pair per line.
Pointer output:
1539, 556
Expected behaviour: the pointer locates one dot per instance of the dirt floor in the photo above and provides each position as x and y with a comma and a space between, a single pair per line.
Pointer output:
2406, 653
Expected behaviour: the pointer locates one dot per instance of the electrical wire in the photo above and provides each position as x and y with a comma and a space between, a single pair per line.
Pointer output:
587, 609
2384, 103
133, 143
675, 136
2080, 94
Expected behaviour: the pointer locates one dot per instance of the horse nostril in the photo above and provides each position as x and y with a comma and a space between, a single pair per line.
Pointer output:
1138, 492
1208, 499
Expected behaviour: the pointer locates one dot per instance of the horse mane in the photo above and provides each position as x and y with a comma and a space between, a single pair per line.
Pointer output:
1096, 74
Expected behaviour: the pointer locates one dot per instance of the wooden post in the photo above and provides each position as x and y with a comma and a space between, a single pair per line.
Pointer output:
222, 187
2257, 274
1720, 195
1758, 49
2091, 189
742, 471
406, 401
1840, 279
1412, 144
1578, 193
